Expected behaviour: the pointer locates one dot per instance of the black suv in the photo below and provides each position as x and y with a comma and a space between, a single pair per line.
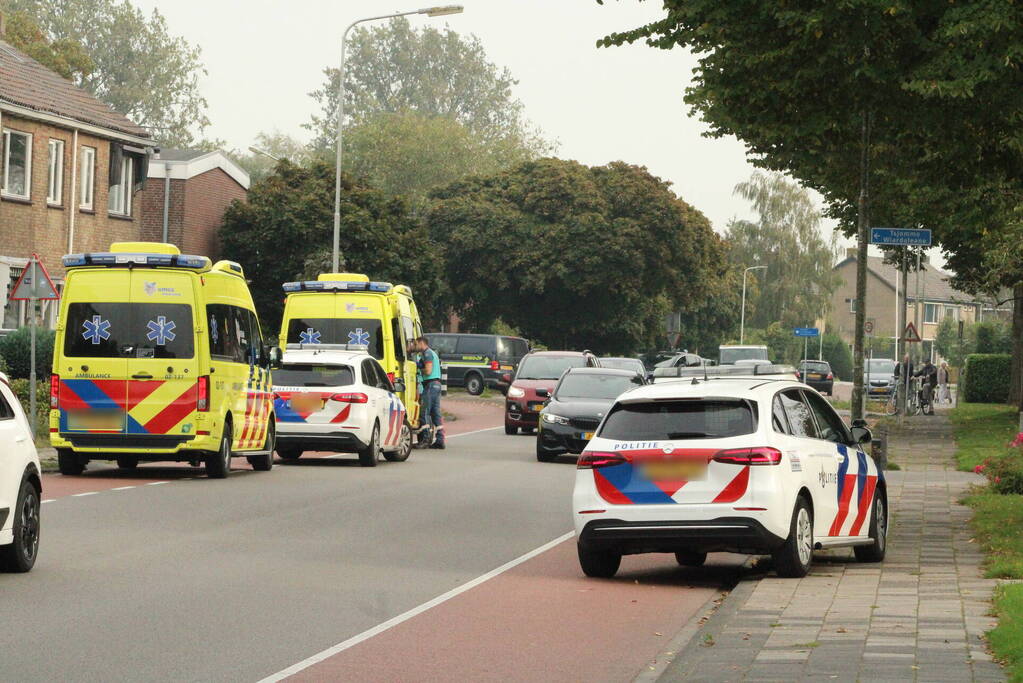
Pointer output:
477, 361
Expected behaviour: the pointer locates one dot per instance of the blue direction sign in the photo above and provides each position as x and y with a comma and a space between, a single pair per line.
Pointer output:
807, 331
901, 237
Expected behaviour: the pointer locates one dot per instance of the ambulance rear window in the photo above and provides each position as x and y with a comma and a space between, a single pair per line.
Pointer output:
338, 331
683, 419
313, 375
127, 330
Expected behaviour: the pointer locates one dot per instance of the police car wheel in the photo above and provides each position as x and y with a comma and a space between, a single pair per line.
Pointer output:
218, 465
69, 463
404, 449
127, 462
878, 531
792, 560
20, 556
265, 462
369, 456
598, 564
474, 384
688, 558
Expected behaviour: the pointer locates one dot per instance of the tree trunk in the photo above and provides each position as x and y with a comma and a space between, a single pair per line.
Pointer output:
1016, 376
862, 231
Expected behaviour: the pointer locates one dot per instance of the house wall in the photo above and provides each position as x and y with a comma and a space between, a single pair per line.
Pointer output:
207, 196
880, 305
152, 205
35, 226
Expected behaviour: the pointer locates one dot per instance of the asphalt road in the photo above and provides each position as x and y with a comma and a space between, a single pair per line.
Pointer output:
239, 579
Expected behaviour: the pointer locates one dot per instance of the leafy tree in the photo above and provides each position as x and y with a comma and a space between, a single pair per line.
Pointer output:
66, 57
283, 233
786, 237
393, 68
573, 256
16, 351
277, 144
713, 320
407, 153
836, 352
140, 69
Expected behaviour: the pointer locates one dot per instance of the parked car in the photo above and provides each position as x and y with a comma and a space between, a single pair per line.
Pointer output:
577, 405
817, 374
730, 354
534, 381
20, 485
478, 361
336, 398
618, 363
879, 376
681, 360
734, 464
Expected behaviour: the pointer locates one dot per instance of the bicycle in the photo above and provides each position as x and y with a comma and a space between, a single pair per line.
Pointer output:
913, 405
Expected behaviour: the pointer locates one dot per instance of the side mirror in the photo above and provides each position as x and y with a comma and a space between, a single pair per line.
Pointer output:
861, 435
543, 393
860, 422
275, 357
399, 386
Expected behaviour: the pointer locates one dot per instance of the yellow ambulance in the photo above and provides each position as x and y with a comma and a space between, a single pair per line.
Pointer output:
159, 356
346, 308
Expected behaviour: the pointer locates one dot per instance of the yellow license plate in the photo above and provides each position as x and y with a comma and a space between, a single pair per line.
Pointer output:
96, 422
587, 436
816, 375
306, 403
507, 367
538, 407
678, 470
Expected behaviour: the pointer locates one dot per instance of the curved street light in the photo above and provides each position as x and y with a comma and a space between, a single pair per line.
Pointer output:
438, 11
742, 323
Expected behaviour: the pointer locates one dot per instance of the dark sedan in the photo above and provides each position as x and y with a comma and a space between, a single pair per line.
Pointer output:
576, 407
817, 374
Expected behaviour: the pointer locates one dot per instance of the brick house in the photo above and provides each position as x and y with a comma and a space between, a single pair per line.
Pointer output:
198, 187
938, 300
70, 168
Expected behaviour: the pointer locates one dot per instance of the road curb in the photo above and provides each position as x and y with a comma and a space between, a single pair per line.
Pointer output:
726, 600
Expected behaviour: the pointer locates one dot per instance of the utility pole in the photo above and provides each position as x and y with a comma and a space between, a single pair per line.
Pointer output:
904, 276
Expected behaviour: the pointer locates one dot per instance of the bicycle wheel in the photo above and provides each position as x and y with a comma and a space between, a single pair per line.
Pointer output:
891, 406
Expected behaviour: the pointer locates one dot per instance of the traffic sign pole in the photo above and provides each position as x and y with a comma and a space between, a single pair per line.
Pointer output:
33, 285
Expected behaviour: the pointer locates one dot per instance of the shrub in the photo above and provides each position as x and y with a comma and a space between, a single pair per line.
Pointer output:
16, 350
987, 378
836, 352
21, 388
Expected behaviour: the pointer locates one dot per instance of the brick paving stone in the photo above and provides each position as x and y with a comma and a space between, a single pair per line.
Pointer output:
919, 616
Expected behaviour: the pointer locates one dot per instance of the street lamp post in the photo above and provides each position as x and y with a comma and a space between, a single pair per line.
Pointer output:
742, 323
428, 11
257, 150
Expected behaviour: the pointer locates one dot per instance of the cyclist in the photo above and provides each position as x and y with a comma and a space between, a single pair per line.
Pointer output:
929, 374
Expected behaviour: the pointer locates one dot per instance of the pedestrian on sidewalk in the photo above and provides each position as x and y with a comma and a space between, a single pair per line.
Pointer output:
944, 396
429, 367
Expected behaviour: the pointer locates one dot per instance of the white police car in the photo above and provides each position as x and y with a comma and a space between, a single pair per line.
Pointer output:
336, 397
20, 485
754, 464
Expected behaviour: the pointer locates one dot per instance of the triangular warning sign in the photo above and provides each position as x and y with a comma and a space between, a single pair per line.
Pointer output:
34, 283
911, 335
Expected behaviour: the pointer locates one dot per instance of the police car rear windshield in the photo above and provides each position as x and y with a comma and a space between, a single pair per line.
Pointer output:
683, 419
596, 386
548, 367
313, 375
126, 330
338, 331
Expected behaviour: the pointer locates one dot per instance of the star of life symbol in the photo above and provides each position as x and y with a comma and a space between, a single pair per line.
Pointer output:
214, 332
160, 330
96, 329
359, 336
310, 336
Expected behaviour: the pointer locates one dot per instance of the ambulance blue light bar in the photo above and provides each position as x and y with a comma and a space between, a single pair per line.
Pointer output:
107, 258
336, 286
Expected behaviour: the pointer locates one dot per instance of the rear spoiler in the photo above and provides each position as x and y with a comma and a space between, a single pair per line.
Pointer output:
727, 371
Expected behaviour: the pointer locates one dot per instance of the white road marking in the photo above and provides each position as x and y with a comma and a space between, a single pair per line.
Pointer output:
122, 488
475, 431
87, 493
405, 616
49, 500
157, 483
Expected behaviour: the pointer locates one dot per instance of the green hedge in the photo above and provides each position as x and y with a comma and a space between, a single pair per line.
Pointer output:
21, 388
987, 378
16, 350
836, 352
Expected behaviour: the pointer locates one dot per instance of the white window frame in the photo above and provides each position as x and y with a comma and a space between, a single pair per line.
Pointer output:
7, 133
87, 178
931, 320
119, 202
55, 172
952, 312
852, 305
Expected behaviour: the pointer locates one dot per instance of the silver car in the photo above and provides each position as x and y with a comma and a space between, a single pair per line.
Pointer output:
879, 376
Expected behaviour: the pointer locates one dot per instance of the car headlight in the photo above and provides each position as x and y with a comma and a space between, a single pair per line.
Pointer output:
554, 419
515, 392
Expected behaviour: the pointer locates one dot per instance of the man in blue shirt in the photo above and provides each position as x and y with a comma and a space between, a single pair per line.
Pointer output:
429, 369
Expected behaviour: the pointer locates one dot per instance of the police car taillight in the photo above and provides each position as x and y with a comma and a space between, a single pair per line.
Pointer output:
749, 456
54, 391
350, 397
202, 401
596, 459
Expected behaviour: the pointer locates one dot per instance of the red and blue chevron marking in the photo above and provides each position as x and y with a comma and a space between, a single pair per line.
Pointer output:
862, 482
120, 397
624, 484
395, 419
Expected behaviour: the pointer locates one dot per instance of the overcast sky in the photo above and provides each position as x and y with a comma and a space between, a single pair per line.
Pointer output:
264, 57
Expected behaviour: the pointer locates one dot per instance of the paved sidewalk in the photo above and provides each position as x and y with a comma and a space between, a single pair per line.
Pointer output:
918, 616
